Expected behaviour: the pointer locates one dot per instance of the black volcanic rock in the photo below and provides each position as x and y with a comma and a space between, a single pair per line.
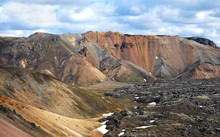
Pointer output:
183, 108
203, 41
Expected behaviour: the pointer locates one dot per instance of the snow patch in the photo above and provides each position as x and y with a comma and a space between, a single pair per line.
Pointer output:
145, 80
55, 57
151, 121
63, 62
156, 57
143, 127
107, 115
120, 134
136, 97
152, 104
48, 72
103, 123
102, 129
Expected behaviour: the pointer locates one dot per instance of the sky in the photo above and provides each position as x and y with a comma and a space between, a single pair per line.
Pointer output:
148, 17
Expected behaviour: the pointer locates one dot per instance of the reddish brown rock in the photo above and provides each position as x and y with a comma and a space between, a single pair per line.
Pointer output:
164, 56
110, 55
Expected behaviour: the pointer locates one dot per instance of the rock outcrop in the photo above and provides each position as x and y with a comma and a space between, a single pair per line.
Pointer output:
162, 56
166, 108
111, 55
203, 41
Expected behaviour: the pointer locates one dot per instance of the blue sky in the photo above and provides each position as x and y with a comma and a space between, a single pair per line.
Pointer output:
149, 17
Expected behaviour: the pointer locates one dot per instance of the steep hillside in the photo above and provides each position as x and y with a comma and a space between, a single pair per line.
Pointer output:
45, 92
58, 56
111, 55
51, 123
47, 53
36, 104
162, 56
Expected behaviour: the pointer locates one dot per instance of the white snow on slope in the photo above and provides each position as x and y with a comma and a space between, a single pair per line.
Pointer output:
107, 115
143, 127
152, 104
102, 129
120, 134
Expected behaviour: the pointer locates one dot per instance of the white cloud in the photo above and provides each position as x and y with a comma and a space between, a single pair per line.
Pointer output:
167, 17
96, 17
96, 12
137, 9
3, 17
85, 15
31, 15
20, 33
12, 33
204, 15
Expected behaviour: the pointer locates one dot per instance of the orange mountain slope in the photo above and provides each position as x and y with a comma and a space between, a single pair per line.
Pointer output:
111, 55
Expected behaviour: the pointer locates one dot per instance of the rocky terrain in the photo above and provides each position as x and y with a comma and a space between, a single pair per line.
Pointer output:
168, 108
60, 85
203, 41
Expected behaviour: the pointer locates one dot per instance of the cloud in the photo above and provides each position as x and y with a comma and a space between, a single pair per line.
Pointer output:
19, 33
3, 17
93, 13
165, 17
33, 16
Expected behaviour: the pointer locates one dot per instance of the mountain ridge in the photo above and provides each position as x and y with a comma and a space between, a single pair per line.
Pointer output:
102, 53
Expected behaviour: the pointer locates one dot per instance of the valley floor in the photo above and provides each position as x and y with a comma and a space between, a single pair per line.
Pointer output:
163, 108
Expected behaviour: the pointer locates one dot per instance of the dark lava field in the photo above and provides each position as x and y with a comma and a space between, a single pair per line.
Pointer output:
168, 108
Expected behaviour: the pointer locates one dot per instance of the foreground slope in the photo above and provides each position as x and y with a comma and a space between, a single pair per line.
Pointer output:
53, 124
8, 129
40, 105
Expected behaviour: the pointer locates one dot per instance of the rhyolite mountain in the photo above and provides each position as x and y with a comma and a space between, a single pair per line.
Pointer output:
37, 74
98, 56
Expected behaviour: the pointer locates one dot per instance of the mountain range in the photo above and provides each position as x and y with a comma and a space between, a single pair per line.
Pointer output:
54, 85
111, 55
